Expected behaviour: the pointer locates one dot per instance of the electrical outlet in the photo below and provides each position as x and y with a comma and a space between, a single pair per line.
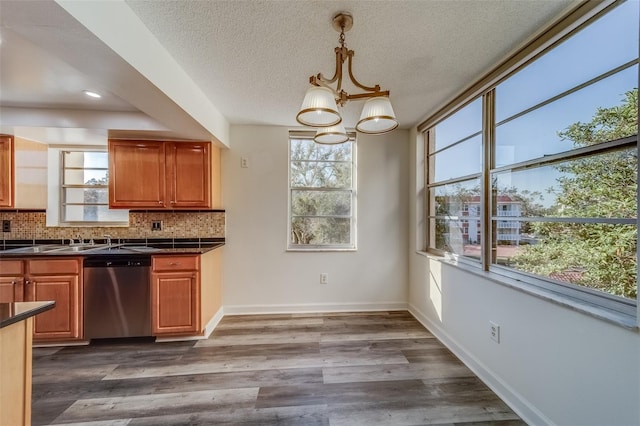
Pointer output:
494, 331
156, 225
244, 162
6, 226
324, 278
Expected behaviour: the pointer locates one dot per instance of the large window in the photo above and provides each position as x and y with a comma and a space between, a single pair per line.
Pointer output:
537, 178
84, 183
321, 195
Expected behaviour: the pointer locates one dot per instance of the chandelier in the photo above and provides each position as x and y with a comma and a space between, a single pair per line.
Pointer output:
320, 104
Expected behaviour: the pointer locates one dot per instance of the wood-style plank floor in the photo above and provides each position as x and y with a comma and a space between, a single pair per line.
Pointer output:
377, 368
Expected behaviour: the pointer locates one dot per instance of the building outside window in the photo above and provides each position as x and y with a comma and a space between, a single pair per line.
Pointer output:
322, 194
549, 160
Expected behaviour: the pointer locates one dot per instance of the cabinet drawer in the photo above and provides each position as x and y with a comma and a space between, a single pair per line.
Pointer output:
11, 267
176, 263
54, 266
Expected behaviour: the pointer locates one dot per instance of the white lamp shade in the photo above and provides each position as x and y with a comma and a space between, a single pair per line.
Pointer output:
319, 108
331, 135
377, 116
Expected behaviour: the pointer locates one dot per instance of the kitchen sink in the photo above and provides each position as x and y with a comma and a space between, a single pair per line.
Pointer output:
84, 248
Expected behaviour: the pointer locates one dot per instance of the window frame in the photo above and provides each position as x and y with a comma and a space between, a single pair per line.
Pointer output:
352, 245
57, 199
559, 31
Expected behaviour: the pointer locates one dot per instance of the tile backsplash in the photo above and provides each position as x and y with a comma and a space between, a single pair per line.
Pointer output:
31, 225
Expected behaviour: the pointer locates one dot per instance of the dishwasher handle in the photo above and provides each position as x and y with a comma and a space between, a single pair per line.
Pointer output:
122, 261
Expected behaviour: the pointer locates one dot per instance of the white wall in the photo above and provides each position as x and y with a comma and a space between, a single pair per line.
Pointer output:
553, 365
261, 276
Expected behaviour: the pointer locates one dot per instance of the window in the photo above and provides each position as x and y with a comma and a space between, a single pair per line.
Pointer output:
322, 197
83, 196
559, 142
454, 169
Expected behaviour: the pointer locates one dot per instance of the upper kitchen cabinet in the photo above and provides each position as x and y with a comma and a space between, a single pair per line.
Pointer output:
162, 175
23, 173
137, 177
6, 171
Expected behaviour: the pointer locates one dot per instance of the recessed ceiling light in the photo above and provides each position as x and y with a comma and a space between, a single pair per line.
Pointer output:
92, 94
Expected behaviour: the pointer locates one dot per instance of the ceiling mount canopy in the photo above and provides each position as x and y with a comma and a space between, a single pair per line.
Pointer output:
321, 101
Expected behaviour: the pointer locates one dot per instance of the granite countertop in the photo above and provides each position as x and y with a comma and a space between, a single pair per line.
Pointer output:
127, 248
10, 313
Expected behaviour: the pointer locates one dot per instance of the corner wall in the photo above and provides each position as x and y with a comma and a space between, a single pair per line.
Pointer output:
553, 365
261, 276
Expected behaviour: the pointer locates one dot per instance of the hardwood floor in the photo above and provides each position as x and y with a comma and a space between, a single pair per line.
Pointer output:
378, 368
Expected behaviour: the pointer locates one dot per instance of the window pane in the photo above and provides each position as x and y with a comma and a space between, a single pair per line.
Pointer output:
461, 237
89, 159
460, 160
603, 185
85, 177
460, 125
457, 226
101, 213
591, 52
86, 195
547, 130
307, 149
598, 256
320, 174
321, 203
320, 230
459, 199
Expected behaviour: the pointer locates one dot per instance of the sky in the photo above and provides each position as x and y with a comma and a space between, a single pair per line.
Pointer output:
606, 44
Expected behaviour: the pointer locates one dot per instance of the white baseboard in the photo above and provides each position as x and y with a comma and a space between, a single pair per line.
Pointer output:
208, 329
313, 308
522, 407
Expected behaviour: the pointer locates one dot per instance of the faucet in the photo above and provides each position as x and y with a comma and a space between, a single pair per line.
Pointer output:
80, 239
108, 238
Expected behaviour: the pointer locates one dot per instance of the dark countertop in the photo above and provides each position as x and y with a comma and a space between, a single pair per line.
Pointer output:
142, 248
10, 313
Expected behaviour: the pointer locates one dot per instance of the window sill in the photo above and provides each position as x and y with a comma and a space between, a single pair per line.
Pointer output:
627, 321
319, 249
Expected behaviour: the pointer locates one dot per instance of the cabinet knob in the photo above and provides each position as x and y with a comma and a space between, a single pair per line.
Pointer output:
13, 283
159, 202
173, 202
27, 282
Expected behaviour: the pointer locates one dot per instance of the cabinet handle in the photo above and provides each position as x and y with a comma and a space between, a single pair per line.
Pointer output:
173, 202
159, 202
174, 263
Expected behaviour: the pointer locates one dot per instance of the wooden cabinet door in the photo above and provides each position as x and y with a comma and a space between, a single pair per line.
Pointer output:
11, 289
63, 321
137, 174
188, 174
174, 302
6, 171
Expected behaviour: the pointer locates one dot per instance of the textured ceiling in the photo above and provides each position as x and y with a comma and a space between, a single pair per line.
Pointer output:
253, 58
249, 60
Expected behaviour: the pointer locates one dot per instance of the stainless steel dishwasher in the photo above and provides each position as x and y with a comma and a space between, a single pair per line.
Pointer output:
117, 302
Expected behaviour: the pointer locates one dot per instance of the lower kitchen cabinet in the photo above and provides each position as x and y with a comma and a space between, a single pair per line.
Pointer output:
47, 279
11, 281
175, 295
